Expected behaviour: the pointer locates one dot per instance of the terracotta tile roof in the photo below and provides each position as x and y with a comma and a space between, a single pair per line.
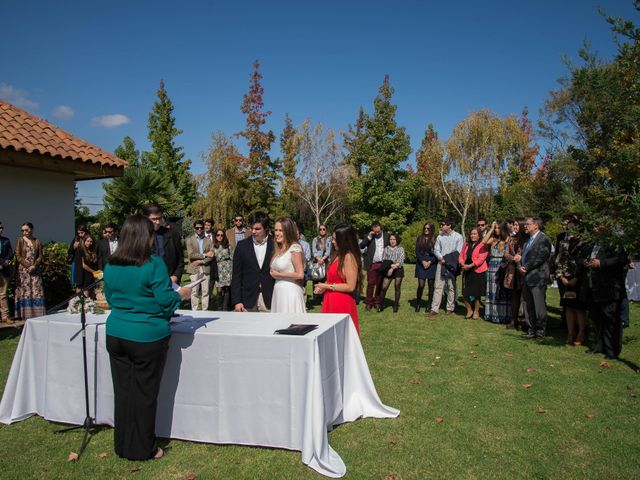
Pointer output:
23, 131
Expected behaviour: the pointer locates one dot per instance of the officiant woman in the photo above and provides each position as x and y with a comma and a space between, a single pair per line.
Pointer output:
138, 289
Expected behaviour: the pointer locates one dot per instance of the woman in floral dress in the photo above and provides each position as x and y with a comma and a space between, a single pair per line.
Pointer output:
497, 307
29, 294
224, 258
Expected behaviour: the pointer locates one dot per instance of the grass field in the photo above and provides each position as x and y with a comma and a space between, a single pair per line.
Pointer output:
508, 408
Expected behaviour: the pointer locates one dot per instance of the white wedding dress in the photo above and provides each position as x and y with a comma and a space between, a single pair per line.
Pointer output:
288, 296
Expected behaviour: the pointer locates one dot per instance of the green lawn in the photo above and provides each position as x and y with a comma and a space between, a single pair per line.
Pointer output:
577, 419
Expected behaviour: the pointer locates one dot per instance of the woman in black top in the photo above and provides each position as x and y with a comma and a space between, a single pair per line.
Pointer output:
426, 262
86, 264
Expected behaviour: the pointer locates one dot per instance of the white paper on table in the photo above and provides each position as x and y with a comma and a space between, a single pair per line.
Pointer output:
175, 286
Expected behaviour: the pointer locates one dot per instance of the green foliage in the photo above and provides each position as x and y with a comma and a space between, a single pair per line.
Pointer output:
126, 195
56, 273
383, 190
165, 157
599, 105
224, 185
290, 147
127, 151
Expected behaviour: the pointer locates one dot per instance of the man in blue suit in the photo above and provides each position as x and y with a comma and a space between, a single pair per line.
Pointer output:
534, 265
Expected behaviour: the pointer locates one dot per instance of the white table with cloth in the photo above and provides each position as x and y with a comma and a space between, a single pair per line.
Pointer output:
228, 379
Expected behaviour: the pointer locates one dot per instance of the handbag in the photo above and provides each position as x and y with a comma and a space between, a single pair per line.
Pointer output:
318, 272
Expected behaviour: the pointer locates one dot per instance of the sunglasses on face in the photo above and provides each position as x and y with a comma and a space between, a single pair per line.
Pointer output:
482, 224
198, 228
219, 235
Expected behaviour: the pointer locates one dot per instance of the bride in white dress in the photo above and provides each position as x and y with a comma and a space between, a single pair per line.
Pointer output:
287, 269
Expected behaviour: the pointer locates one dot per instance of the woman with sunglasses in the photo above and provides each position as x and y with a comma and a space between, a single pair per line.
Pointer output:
29, 293
224, 256
426, 262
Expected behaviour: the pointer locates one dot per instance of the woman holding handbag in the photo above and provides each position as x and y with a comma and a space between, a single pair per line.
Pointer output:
321, 250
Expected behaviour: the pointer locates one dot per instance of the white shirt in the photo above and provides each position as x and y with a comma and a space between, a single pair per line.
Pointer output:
113, 245
261, 250
377, 255
447, 243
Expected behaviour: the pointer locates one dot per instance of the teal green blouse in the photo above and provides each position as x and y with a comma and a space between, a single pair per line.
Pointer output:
141, 300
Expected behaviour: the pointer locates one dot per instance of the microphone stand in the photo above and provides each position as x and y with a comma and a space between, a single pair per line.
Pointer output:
89, 423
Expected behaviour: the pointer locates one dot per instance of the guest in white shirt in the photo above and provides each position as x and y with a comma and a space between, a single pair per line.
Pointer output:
448, 246
107, 245
374, 243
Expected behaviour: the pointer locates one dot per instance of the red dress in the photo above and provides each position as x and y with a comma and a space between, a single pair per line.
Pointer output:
339, 302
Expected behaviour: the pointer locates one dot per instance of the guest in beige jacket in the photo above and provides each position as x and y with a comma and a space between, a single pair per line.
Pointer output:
201, 255
238, 232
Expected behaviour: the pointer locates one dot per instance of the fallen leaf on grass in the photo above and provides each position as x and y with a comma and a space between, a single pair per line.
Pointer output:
529, 369
103, 455
73, 456
391, 476
589, 415
416, 381
540, 410
135, 469
393, 441
434, 364
472, 353
509, 354
439, 420
191, 476
604, 364
527, 385
437, 358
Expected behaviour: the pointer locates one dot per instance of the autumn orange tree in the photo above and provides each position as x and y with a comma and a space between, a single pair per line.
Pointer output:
262, 169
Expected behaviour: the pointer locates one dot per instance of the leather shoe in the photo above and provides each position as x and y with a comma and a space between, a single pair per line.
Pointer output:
431, 313
417, 308
378, 308
448, 312
367, 308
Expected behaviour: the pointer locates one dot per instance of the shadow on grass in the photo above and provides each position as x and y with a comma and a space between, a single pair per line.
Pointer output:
10, 332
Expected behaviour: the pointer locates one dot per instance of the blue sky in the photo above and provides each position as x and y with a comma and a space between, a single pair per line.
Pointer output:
93, 68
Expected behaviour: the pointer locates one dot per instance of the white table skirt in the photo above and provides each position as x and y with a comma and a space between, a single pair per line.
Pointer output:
227, 379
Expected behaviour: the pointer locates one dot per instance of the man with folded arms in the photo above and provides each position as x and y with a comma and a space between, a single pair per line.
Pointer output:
447, 248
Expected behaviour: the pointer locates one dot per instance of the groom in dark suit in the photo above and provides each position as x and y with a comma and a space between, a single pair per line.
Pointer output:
534, 264
251, 283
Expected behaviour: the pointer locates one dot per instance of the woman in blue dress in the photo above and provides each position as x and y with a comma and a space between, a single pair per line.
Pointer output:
497, 308
426, 262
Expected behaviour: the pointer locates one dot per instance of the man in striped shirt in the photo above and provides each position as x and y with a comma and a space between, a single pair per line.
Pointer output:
448, 246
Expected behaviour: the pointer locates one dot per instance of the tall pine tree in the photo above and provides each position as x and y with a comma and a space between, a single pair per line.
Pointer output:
165, 157
263, 171
384, 190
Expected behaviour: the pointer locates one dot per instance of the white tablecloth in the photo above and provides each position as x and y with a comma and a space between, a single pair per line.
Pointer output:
228, 379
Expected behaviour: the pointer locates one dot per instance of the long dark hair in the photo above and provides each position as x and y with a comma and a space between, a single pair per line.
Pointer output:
426, 242
89, 255
347, 242
134, 247
225, 241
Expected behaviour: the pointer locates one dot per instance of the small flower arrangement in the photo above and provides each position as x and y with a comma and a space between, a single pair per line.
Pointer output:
75, 306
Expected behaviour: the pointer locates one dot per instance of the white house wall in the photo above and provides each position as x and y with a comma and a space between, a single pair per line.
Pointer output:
40, 197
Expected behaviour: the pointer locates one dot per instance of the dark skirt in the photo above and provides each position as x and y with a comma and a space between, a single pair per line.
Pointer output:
399, 273
473, 284
573, 297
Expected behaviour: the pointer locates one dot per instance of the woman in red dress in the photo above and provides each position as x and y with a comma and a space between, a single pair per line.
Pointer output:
344, 276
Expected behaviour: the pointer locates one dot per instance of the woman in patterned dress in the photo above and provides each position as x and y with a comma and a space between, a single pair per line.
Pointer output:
393, 253
497, 307
29, 294
224, 258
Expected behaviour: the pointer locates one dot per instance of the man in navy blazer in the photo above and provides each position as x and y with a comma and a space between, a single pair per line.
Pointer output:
6, 254
251, 283
534, 264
